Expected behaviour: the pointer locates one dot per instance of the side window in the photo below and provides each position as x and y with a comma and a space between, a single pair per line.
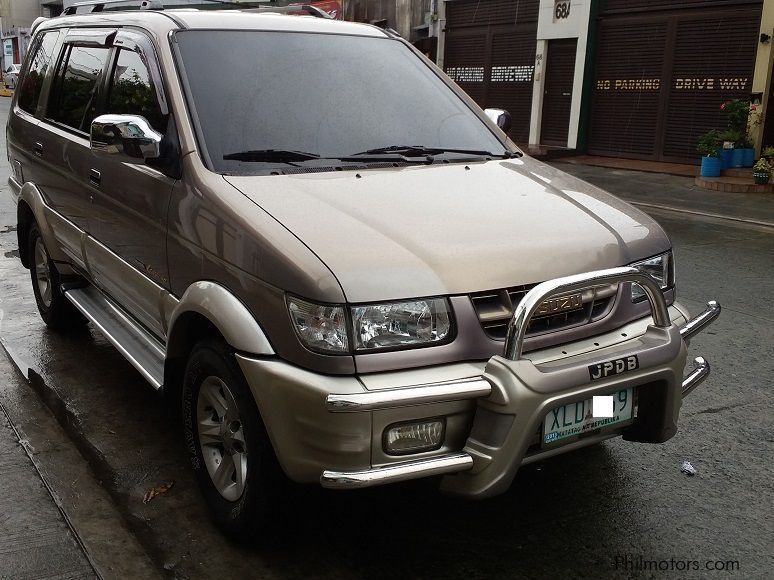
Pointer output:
75, 91
132, 92
32, 84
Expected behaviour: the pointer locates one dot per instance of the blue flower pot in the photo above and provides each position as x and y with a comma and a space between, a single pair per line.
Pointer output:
725, 157
737, 159
710, 166
749, 157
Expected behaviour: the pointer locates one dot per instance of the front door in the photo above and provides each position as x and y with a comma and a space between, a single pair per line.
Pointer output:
557, 99
128, 254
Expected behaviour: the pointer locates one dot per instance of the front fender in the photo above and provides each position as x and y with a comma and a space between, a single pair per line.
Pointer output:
224, 311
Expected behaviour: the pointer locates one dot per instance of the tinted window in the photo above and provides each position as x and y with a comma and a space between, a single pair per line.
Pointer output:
77, 83
319, 93
29, 92
131, 91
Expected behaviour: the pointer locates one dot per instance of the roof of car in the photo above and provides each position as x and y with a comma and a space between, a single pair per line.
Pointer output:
216, 19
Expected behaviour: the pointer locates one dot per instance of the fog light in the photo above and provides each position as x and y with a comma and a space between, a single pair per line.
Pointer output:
414, 437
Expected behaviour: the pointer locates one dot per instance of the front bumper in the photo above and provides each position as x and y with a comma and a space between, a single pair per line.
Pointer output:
493, 412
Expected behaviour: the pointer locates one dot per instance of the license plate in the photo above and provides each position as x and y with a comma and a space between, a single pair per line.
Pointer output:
575, 419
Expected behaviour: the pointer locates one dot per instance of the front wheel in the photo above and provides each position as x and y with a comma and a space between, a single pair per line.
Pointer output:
226, 440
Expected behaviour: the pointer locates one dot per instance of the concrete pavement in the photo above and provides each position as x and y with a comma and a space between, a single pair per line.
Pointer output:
35, 539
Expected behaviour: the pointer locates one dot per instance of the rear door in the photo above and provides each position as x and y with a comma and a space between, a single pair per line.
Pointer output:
73, 102
128, 255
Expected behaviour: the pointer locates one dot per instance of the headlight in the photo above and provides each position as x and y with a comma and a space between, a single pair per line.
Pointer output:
660, 268
401, 324
320, 327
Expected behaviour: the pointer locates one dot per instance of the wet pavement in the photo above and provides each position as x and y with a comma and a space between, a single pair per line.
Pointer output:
660, 190
35, 539
603, 512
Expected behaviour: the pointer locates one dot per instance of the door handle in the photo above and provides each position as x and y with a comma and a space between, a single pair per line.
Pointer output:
95, 177
38, 148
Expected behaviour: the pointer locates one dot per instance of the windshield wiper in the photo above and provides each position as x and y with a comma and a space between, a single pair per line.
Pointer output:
416, 150
271, 156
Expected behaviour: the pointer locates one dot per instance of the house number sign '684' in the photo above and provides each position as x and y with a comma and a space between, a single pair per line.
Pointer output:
561, 9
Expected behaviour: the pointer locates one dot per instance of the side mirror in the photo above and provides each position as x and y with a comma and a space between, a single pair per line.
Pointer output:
125, 138
500, 117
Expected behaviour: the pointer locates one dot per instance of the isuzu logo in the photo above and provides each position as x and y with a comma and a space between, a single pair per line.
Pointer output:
561, 304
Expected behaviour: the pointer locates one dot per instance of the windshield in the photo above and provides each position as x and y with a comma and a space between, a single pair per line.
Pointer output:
318, 96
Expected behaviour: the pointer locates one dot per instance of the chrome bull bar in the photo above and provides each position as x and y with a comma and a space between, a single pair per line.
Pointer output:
517, 328
479, 387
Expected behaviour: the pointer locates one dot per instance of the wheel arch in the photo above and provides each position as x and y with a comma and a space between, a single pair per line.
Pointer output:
208, 309
31, 208
24, 220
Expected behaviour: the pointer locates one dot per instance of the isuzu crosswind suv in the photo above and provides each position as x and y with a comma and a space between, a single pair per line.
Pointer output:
338, 266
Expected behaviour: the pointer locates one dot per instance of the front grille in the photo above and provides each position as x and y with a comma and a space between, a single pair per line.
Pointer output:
495, 308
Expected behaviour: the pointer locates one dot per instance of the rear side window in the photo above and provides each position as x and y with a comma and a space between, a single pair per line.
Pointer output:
132, 92
74, 101
32, 84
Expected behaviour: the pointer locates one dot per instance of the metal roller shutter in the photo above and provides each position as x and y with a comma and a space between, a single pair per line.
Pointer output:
708, 69
490, 53
609, 6
557, 99
661, 75
627, 88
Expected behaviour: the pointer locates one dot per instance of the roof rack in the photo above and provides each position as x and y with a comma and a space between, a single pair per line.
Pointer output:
100, 5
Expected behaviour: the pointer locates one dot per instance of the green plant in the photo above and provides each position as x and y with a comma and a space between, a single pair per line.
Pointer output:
737, 114
709, 143
731, 135
768, 151
745, 142
762, 166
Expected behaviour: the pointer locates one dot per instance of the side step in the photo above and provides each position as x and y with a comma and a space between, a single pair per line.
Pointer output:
139, 347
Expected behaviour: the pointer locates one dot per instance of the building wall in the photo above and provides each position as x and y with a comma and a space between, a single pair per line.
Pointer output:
402, 15
762, 78
18, 13
17, 18
576, 25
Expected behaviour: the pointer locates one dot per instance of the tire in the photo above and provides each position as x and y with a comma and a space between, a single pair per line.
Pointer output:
223, 431
55, 309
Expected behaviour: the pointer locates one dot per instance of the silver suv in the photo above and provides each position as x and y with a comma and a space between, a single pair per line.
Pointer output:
336, 264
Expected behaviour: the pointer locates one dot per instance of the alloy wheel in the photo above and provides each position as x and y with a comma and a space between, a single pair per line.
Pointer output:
43, 273
221, 438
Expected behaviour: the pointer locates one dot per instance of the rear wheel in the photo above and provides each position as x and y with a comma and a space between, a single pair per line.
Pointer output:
226, 440
55, 309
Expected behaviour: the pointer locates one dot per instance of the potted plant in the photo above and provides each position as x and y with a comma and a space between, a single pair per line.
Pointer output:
748, 151
768, 154
710, 158
762, 172
738, 117
728, 140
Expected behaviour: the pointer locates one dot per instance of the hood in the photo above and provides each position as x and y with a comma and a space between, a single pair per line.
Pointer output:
420, 231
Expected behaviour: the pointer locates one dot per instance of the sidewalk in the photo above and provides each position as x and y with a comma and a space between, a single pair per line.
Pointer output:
676, 193
35, 540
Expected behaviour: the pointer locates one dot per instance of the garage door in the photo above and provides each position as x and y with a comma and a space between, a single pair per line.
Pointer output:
661, 76
490, 52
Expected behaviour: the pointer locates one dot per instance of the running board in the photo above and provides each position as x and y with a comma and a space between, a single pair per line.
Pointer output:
140, 348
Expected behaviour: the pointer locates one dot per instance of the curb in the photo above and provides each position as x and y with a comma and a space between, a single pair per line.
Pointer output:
700, 213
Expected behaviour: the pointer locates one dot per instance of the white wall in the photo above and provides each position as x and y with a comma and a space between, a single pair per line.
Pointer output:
576, 25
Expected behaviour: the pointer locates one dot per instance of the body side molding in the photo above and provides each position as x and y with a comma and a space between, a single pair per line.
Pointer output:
225, 311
